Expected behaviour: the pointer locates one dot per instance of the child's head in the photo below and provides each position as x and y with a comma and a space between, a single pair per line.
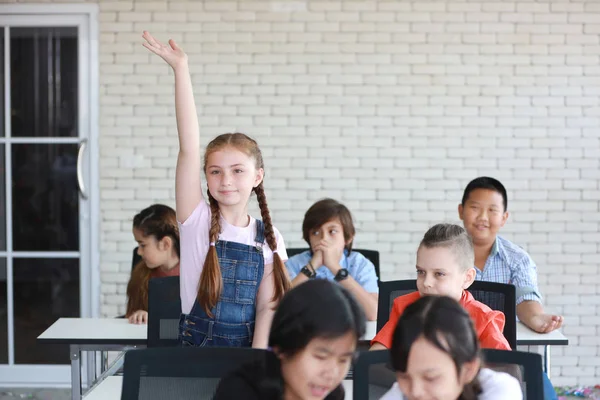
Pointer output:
314, 333
330, 220
483, 209
445, 261
435, 351
234, 168
156, 231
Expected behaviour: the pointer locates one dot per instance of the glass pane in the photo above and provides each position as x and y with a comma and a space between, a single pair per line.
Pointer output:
45, 198
3, 314
44, 81
2, 199
44, 291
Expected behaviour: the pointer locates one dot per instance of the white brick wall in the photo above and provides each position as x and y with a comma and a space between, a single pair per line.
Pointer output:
389, 106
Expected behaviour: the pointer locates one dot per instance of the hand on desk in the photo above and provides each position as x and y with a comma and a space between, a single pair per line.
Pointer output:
531, 313
545, 323
139, 317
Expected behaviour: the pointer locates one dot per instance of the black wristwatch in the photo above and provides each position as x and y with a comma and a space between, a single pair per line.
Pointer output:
341, 275
306, 270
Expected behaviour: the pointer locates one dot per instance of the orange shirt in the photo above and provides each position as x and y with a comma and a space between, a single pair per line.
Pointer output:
159, 273
488, 323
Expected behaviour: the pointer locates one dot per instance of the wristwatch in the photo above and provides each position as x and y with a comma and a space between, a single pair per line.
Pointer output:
306, 270
341, 275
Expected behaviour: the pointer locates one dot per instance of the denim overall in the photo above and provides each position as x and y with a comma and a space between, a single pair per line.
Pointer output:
232, 324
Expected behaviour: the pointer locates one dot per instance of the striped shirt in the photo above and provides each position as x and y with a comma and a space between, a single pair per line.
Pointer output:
509, 263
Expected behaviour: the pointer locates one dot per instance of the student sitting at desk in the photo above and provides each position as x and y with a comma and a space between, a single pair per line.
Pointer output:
155, 229
312, 343
445, 268
329, 231
435, 353
483, 210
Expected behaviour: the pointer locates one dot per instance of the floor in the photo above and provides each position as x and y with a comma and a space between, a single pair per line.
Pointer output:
35, 394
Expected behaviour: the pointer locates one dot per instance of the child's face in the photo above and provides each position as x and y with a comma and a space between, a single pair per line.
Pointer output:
319, 368
439, 274
483, 215
152, 251
431, 374
331, 231
231, 175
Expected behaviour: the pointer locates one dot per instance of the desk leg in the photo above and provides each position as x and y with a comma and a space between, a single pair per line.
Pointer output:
75, 372
547, 360
92, 372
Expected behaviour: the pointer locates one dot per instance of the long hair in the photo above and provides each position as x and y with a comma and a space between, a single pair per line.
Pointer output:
158, 221
211, 281
445, 324
315, 309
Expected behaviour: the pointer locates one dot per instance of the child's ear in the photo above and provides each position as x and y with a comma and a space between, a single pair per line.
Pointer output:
504, 217
165, 243
469, 371
260, 174
470, 275
460, 211
350, 240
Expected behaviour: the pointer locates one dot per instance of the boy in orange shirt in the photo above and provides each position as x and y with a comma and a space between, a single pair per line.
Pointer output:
445, 260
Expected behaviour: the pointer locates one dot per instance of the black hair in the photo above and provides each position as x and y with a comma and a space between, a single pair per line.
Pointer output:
485, 182
314, 309
444, 323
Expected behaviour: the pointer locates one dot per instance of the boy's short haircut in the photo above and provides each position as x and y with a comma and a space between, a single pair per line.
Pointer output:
453, 237
324, 211
485, 182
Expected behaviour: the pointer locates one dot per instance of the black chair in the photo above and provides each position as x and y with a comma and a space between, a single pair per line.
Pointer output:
371, 255
135, 259
164, 309
388, 291
373, 375
497, 296
182, 373
526, 367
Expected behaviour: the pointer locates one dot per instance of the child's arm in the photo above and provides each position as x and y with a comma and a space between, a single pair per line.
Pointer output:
188, 191
531, 313
529, 308
265, 309
331, 259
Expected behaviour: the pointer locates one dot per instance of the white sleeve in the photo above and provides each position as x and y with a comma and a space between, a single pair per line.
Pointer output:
499, 386
393, 394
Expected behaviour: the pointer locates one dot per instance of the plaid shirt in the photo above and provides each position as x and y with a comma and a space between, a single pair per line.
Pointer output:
509, 263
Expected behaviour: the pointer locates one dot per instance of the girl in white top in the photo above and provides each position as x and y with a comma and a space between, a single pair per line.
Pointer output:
435, 353
232, 271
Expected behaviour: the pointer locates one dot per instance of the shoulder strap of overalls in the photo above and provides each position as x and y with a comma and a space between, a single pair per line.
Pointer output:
260, 232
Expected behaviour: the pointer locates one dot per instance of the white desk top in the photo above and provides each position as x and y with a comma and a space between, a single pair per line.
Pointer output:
111, 387
527, 337
94, 331
371, 331
120, 331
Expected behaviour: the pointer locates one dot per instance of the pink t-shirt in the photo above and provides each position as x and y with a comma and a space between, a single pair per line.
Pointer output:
193, 234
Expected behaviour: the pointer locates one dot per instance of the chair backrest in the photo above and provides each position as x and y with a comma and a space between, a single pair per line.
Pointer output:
371, 255
135, 259
388, 291
373, 375
500, 297
164, 309
497, 296
181, 373
526, 367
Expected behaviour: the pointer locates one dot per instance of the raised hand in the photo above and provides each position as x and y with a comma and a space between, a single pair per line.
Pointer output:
171, 52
